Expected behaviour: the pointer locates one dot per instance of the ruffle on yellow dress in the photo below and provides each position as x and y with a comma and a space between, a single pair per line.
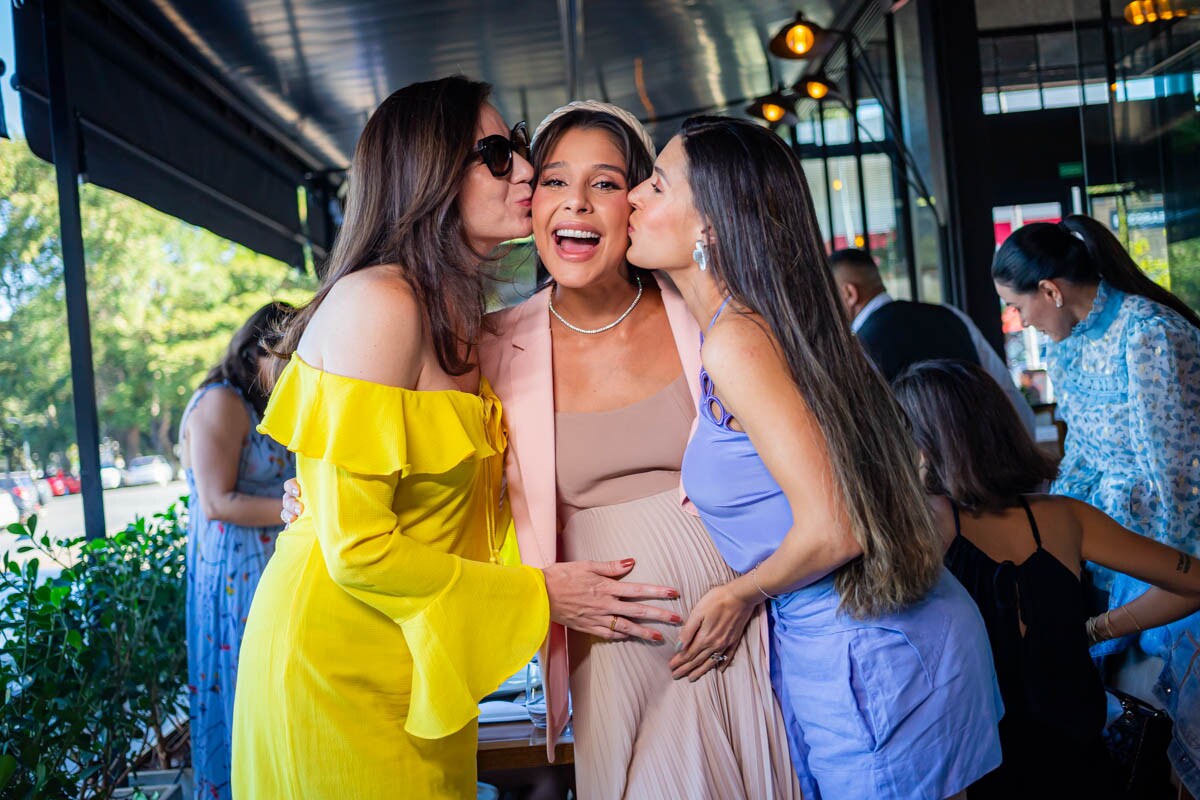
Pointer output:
386, 613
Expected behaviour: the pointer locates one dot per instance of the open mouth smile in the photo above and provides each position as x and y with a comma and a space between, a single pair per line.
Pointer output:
574, 242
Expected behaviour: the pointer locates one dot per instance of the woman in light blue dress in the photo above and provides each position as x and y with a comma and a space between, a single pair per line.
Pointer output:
803, 472
1125, 364
235, 476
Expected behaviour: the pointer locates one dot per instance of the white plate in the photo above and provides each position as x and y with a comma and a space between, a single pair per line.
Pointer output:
502, 711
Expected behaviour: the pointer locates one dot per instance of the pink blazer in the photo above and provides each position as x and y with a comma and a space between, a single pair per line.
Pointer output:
518, 363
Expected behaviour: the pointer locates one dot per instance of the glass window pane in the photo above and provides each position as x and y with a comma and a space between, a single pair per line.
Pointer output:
1016, 60
837, 125
882, 234
814, 172
1061, 96
847, 217
806, 131
1020, 100
1056, 49
870, 118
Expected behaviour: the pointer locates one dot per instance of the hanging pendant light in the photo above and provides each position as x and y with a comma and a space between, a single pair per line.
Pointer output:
772, 107
815, 87
796, 39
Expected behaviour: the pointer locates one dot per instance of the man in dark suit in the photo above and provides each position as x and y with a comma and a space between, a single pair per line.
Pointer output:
898, 333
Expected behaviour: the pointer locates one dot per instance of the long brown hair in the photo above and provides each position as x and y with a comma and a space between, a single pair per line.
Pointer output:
977, 451
1080, 250
255, 339
750, 189
402, 209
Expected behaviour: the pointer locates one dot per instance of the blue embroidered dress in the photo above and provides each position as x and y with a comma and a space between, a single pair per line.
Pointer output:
224, 563
1128, 387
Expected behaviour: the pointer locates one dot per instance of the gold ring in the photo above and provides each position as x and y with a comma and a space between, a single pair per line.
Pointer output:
612, 626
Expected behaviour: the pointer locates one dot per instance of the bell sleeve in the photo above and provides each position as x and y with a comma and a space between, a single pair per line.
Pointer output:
468, 624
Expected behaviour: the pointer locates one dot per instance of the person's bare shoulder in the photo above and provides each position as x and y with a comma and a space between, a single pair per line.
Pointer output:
219, 403
740, 351
370, 326
220, 411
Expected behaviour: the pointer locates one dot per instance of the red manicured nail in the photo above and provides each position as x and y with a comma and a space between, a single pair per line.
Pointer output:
658, 637
675, 618
673, 595
628, 562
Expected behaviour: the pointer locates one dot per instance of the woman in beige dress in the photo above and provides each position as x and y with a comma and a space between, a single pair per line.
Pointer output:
599, 408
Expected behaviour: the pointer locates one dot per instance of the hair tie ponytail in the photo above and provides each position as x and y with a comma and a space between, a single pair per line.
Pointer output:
1065, 228
1117, 268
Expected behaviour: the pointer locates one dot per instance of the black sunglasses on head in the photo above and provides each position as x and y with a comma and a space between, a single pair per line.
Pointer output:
496, 151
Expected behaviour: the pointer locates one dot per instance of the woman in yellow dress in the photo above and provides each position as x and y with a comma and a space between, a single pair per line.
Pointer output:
385, 614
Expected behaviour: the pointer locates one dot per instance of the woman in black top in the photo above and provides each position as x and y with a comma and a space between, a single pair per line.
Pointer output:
1019, 553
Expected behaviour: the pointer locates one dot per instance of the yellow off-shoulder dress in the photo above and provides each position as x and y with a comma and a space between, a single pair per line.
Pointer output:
384, 616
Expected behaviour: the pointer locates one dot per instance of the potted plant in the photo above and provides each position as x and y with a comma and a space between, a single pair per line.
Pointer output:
93, 660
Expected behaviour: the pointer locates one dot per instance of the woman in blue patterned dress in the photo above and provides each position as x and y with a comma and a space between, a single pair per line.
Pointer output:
803, 473
235, 476
1126, 370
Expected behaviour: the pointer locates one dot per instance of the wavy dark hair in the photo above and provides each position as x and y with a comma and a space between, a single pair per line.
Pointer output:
767, 254
258, 337
977, 451
638, 161
402, 209
1080, 250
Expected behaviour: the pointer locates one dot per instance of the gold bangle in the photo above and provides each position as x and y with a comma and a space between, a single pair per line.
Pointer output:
754, 577
1089, 627
1108, 631
1132, 618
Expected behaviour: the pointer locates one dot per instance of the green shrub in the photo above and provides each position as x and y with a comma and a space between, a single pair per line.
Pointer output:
93, 662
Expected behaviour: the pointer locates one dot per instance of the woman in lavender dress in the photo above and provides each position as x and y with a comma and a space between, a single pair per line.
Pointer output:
806, 478
235, 476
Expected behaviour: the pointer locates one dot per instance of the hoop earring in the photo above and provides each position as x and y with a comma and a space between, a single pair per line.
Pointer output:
700, 255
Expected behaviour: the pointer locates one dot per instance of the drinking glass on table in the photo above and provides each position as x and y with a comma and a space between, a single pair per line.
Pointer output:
535, 694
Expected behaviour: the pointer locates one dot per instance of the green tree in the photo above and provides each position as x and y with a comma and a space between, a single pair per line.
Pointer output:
164, 298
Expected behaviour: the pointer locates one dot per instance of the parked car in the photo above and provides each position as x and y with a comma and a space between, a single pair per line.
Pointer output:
62, 483
9, 513
21, 487
148, 469
110, 476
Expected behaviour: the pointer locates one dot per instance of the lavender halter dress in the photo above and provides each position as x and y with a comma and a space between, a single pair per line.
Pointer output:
904, 705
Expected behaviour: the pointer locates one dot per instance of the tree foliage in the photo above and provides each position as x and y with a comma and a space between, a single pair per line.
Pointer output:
164, 298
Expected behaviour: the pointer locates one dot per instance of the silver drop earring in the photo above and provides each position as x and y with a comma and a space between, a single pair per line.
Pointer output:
1058, 302
700, 255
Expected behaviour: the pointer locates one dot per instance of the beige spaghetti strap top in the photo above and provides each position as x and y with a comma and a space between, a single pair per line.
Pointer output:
610, 457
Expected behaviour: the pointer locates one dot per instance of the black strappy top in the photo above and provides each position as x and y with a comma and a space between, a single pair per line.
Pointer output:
1047, 678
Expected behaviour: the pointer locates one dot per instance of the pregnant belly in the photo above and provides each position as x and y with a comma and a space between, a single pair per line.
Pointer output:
670, 547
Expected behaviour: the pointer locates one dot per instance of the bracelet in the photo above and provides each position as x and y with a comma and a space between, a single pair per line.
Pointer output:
754, 577
1132, 618
1108, 634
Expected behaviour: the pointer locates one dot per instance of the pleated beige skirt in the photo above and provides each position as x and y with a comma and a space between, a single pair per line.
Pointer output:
641, 735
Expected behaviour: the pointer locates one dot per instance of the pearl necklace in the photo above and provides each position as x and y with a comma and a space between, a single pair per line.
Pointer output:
610, 325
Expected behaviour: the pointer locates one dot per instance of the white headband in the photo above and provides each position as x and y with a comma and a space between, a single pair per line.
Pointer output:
604, 108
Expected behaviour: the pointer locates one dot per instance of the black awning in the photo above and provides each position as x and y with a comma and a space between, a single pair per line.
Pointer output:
151, 130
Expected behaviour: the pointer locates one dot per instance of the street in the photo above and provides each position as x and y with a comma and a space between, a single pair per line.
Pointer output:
62, 517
